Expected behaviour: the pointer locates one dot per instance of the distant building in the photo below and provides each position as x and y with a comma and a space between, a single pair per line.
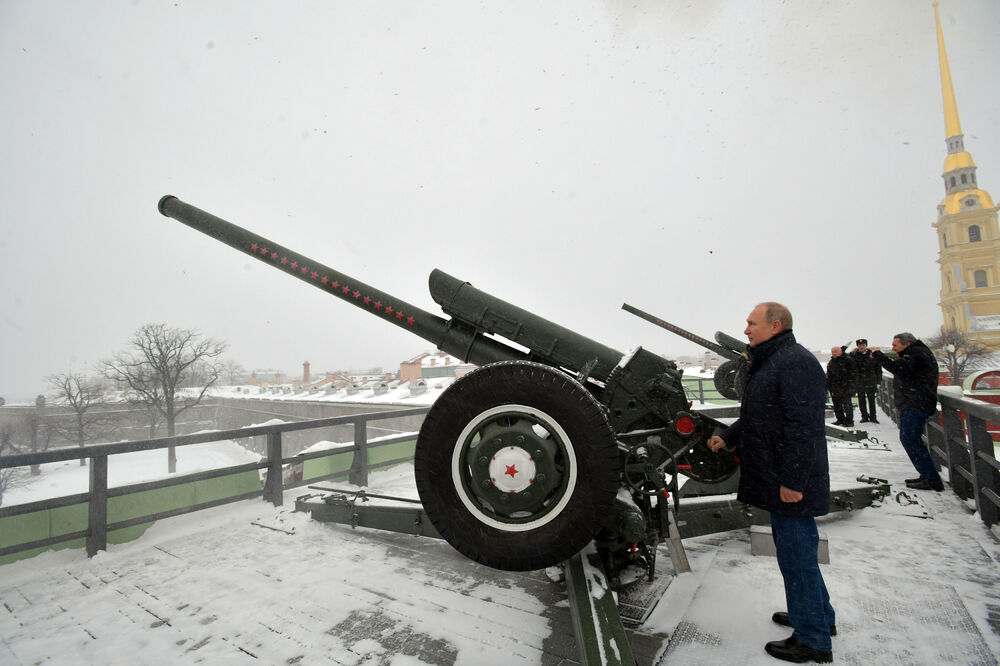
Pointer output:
968, 235
265, 377
432, 364
334, 380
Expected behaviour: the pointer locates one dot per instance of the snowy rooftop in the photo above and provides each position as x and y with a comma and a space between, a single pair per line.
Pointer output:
912, 583
372, 392
434, 359
392, 393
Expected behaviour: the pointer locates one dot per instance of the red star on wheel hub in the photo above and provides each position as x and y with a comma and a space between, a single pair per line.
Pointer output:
511, 469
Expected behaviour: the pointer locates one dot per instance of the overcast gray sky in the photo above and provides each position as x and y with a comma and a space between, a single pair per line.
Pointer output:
690, 158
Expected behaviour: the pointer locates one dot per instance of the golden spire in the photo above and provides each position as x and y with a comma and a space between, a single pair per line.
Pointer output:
961, 190
952, 126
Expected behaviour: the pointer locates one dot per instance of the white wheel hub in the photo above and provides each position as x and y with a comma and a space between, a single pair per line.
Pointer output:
512, 469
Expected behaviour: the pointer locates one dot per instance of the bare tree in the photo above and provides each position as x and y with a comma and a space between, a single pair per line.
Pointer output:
151, 402
234, 371
12, 477
38, 433
81, 395
30, 434
158, 362
957, 350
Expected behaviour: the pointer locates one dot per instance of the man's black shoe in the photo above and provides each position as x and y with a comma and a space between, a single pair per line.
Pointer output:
916, 480
781, 617
849, 425
923, 485
873, 420
791, 649
837, 423
865, 419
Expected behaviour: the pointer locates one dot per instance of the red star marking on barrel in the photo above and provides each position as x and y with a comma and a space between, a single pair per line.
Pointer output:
284, 260
294, 265
334, 284
263, 250
410, 320
325, 279
356, 294
253, 247
304, 270
314, 275
388, 309
367, 300
399, 315
378, 305
274, 255
346, 289
511, 470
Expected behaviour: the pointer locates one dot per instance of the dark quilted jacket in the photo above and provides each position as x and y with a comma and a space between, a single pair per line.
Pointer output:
781, 431
915, 377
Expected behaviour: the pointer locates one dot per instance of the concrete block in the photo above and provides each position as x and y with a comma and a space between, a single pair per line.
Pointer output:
762, 543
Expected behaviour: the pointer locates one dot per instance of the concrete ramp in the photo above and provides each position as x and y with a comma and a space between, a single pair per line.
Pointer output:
880, 619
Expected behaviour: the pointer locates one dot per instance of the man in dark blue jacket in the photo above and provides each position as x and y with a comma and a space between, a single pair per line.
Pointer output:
914, 387
784, 470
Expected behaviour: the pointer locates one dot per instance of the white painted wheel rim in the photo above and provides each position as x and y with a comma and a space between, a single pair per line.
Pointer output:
471, 503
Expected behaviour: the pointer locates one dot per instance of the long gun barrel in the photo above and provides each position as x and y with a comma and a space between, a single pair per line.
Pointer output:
725, 352
731, 376
474, 311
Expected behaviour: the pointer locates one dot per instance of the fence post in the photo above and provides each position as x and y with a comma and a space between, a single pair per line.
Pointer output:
274, 487
983, 474
358, 474
937, 440
958, 451
97, 508
886, 399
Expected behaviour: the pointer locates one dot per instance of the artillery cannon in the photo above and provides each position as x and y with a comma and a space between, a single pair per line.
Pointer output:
731, 376
524, 461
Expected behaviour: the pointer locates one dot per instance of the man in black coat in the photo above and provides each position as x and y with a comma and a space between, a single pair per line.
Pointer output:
784, 470
914, 388
840, 382
869, 374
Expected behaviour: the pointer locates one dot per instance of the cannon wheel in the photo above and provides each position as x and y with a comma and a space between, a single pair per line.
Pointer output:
731, 377
517, 466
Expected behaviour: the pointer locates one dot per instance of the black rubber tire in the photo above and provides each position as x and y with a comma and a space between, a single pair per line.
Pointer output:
595, 457
730, 378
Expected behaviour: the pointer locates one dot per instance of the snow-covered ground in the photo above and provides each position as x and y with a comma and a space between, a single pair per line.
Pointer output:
912, 583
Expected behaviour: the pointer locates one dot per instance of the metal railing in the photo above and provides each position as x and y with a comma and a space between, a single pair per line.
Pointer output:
959, 440
702, 390
96, 534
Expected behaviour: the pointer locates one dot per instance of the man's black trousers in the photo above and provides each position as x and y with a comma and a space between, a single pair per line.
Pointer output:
867, 395
843, 408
